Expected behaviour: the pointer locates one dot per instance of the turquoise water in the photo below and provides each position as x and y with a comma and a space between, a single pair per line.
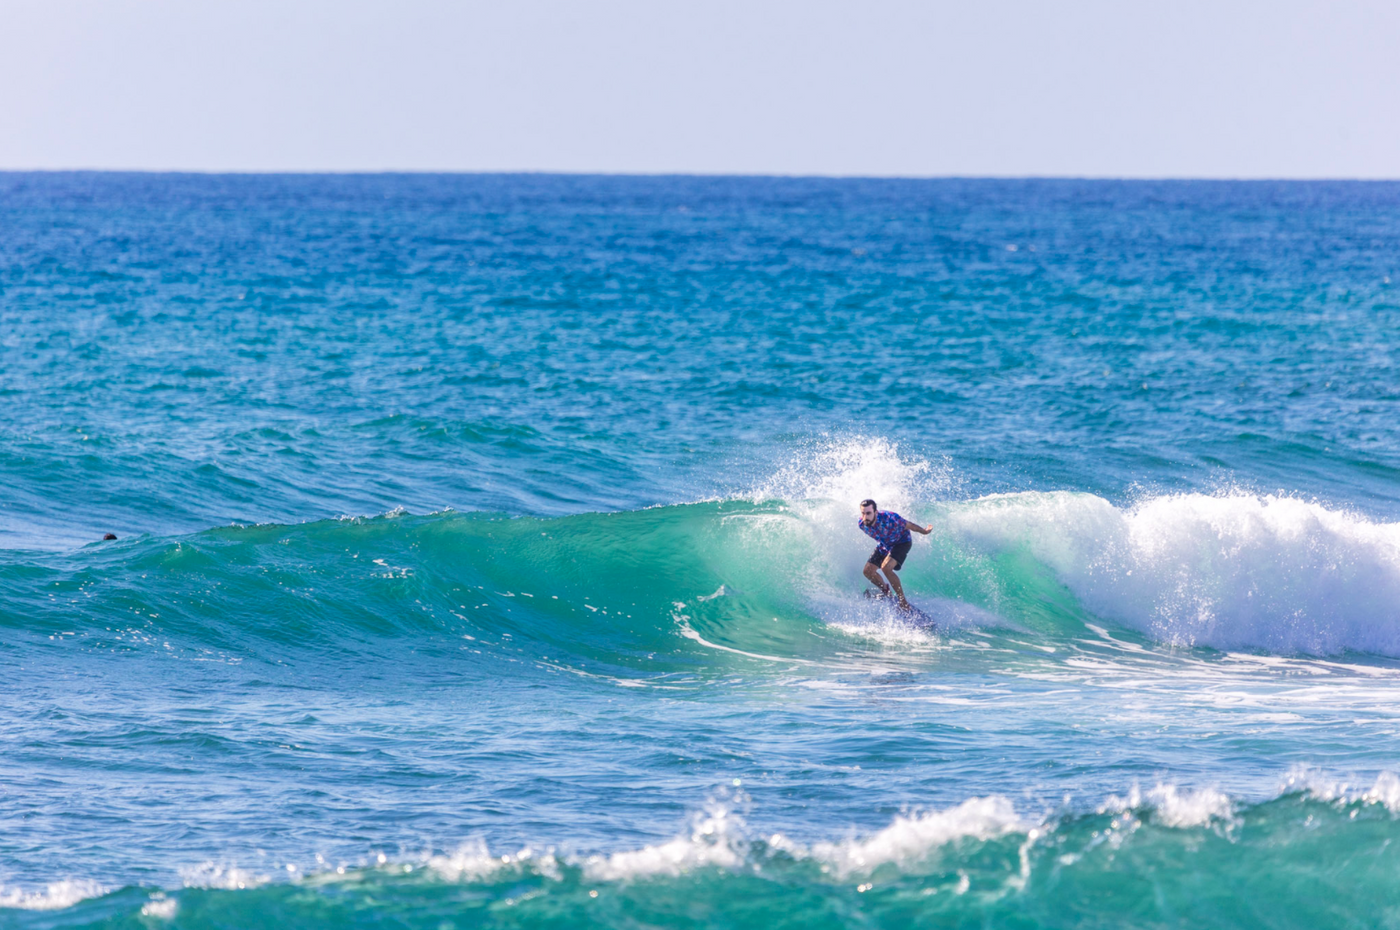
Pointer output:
487, 554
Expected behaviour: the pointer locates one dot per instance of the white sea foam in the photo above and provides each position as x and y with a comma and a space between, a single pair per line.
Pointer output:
473, 861
885, 624
210, 874
51, 897
715, 839
1385, 790
1230, 571
912, 837
1173, 807
160, 907
885, 631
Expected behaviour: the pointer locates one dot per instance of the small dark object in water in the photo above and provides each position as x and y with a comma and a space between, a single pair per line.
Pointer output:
110, 536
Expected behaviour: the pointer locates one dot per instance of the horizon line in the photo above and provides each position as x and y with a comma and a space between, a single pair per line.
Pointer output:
436, 172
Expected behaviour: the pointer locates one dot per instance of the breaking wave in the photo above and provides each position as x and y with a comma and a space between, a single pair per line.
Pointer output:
751, 575
1232, 571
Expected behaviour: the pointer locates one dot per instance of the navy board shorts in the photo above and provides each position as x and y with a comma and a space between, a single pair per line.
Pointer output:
899, 552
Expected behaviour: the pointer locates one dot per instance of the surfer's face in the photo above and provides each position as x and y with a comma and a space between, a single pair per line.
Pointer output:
868, 515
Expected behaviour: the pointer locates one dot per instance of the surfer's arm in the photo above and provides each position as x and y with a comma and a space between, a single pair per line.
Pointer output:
918, 529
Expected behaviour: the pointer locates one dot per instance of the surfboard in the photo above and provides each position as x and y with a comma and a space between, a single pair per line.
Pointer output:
913, 615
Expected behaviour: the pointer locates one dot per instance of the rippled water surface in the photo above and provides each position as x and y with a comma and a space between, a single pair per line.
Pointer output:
487, 552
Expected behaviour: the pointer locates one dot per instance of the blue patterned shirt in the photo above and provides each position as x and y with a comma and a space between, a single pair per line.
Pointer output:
889, 529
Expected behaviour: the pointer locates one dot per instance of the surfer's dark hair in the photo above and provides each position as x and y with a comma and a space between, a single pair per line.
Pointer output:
868, 503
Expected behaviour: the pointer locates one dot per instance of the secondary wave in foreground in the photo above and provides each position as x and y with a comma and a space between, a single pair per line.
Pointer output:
1317, 856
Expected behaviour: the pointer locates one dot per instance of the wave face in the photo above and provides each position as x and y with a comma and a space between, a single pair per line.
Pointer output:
616, 588
487, 552
1231, 572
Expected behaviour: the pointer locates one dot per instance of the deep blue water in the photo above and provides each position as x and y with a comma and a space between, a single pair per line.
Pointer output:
487, 552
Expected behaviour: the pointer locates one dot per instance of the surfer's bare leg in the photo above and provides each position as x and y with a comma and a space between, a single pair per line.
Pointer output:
894, 581
873, 573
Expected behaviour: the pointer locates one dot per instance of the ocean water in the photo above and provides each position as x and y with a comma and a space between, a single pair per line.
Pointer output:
487, 552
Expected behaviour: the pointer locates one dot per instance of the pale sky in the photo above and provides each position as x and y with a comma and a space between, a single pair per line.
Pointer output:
1103, 88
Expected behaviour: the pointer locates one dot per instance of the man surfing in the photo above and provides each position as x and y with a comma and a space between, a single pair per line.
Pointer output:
891, 534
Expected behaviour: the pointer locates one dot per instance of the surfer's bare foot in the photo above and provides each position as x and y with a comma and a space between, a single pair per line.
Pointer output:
904, 605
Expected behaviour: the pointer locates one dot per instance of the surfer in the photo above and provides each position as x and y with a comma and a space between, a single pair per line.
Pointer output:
891, 534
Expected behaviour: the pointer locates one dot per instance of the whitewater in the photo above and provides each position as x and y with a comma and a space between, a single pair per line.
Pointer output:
486, 552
